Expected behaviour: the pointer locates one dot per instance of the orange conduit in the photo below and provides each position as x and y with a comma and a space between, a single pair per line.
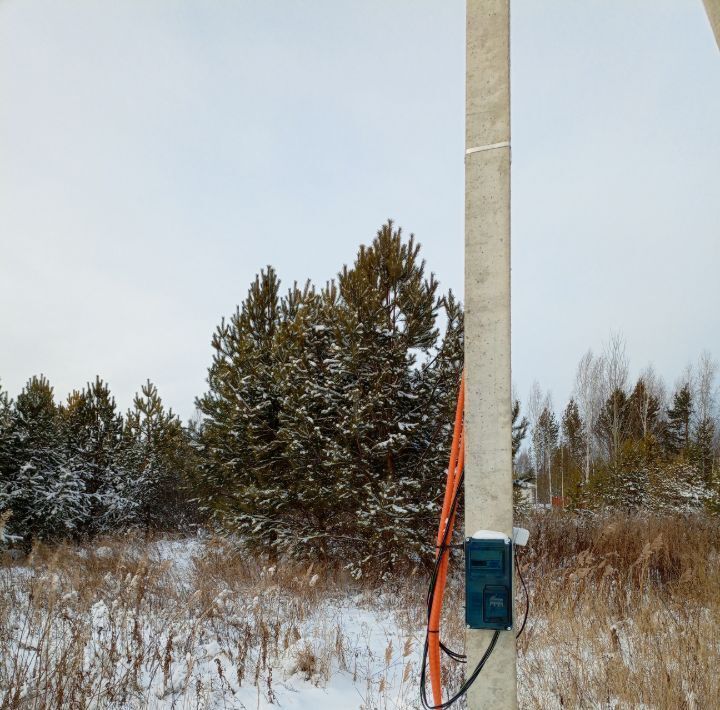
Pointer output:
445, 532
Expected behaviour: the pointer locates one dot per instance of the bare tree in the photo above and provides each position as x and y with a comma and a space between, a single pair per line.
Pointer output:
616, 363
588, 394
534, 409
542, 423
687, 378
706, 424
705, 387
615, 376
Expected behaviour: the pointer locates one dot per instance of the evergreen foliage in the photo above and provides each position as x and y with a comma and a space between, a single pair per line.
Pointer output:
77, 469
519, 428
45, 493
704, 449
155, 459
328, 413
92, 431
573, 431
521, 476
6, 451
313, 398
326, 425
677, 429
241, 478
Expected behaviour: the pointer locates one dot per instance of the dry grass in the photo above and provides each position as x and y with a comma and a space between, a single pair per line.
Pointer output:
625, 613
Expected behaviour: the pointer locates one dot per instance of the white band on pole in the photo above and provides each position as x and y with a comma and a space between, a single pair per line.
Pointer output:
491, 146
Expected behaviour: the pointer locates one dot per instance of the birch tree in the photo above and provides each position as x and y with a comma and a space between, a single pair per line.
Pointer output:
615, 375
588, 395
705, 414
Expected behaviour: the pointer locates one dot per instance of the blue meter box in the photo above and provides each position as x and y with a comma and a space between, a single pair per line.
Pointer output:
488, 582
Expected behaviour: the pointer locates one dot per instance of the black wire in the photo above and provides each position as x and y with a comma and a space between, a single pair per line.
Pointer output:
459, 657
465, 686
527, 597
431, 592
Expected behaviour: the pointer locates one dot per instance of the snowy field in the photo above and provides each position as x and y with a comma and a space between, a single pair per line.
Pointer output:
191, 623
168, 627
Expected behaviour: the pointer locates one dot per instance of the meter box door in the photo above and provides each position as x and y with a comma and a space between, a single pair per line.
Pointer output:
488, 582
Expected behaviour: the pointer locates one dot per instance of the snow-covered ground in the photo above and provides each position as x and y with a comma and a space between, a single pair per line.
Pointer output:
198, 623
153, 633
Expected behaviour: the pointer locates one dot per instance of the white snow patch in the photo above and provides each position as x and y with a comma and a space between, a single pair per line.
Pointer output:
490, 535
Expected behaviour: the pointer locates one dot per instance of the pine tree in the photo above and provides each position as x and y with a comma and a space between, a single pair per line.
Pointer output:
436, 385
387, 322
241, 456
573, 448
522, 475
6, 433
704, 449
626, 484
92, 430
519, 428
7, 459
573, 433
677, 429
155, 460
312, 494
45, 494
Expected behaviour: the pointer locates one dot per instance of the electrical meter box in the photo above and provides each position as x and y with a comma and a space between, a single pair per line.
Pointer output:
488, 581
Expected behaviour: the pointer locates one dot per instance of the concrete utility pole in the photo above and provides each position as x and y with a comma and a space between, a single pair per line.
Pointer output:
488, 448
712, 7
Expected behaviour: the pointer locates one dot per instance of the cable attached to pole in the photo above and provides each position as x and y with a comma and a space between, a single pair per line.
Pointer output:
436, 589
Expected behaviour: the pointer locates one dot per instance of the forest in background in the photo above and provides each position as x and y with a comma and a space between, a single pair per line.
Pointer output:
325, 428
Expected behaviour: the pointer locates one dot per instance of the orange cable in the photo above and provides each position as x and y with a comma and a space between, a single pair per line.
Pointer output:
455, 467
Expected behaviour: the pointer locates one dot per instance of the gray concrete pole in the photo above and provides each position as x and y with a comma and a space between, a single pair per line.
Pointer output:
488, 448
712, 7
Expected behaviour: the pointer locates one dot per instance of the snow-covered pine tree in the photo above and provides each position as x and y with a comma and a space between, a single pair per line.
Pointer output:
7, 465
6, 432
92, 430
704, 449
42, 489
156, 456
436, 385
388, 329
677, 434
316, 497
241, 457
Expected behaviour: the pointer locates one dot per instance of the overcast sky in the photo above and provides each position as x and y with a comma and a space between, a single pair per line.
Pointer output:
155, 155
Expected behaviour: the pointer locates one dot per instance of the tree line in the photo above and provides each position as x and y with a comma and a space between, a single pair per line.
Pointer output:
325, 427
81, 468
622, 443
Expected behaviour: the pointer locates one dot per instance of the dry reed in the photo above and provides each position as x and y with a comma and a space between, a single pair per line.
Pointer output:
624, 613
